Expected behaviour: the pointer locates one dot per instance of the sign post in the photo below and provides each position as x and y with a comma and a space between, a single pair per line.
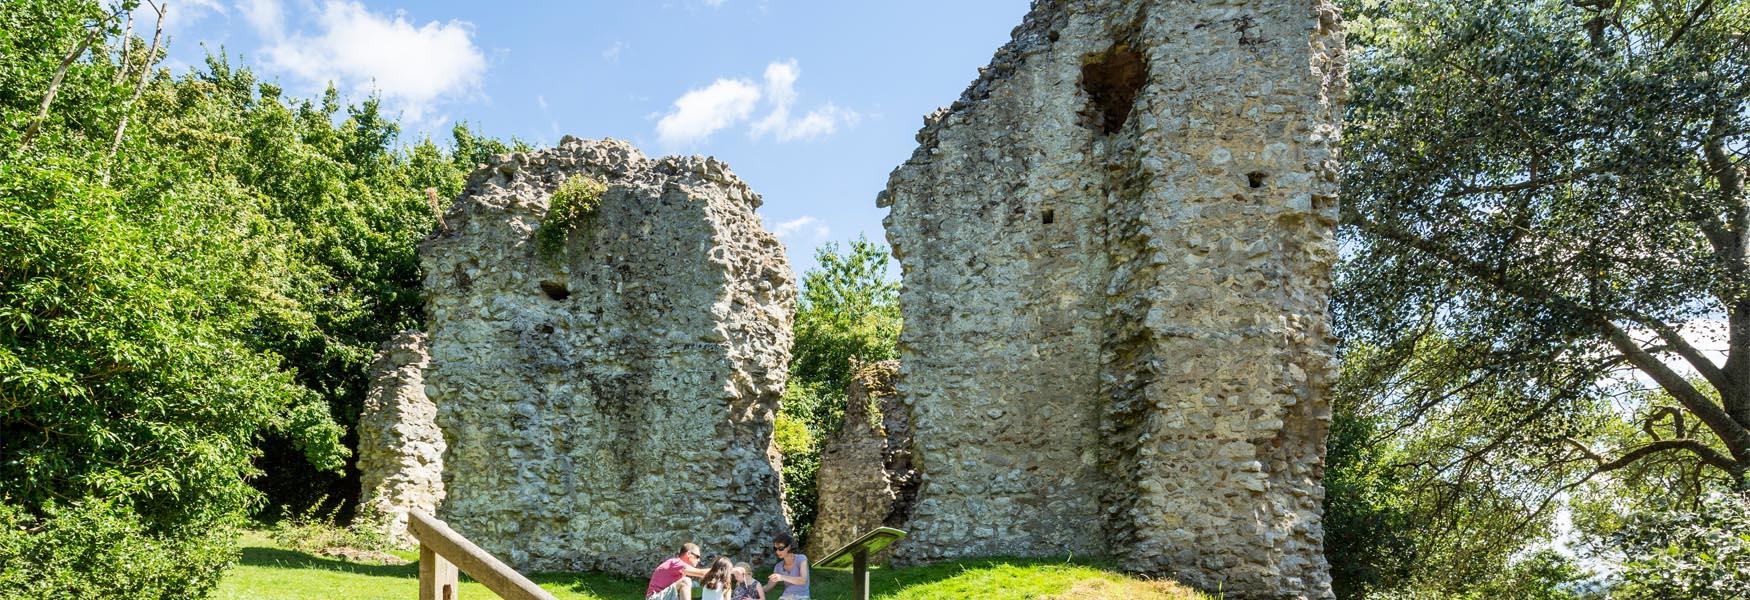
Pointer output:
857, 552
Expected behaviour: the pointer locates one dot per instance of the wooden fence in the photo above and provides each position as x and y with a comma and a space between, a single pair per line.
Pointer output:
442, 551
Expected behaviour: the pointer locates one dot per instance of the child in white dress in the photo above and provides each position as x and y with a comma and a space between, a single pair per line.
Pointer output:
718, 581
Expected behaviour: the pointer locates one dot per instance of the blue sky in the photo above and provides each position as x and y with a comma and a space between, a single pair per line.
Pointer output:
812, 103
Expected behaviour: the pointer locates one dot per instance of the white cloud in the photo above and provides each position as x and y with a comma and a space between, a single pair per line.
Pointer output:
818, 122
612, 54
713, 3
541, 100
701, 112
413, 68
265, 16
780, 89
176, 17
789, 228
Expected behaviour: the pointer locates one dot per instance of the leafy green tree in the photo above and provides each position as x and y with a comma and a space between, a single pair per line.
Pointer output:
848, 311
1555, 190
848, 314
1544, 203
130, 393
1369, 522
186, 302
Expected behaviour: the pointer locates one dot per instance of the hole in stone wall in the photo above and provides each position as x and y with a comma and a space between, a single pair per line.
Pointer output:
1255, 179
555, 290
463, 281
1112, 79
1049, 216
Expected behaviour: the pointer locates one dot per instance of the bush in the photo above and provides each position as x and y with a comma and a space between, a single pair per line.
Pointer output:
801, 449
314, 531
101, 549
1702, 552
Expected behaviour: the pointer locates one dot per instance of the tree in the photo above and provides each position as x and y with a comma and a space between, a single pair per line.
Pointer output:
1544, 220
1555, 192
185, 306
130, 392
1688, 553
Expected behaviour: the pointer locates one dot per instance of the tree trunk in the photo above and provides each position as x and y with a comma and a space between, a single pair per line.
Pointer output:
139, 87
121, 67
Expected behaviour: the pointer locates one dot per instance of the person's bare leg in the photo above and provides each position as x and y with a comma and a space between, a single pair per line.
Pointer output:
686, 588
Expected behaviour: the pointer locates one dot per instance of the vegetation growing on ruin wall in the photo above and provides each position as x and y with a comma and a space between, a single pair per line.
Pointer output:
571, 209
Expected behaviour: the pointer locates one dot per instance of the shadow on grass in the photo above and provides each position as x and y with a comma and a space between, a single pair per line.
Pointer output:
836, 583
600, 584
1021, 577
258, 556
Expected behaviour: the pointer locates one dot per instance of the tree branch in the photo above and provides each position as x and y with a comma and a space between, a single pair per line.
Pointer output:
1694, 16
1730, 246
1735, 435
1703, 451
1521, 186
139, 87
55, 86
121, 68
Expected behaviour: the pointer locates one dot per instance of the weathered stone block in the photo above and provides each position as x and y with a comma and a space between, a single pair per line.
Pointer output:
865, 479
607, 403
401, 451
1116, 249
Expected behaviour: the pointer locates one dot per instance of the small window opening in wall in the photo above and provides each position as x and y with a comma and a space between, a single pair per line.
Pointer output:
1112, 80
1255, 179
1049, 216
555, 290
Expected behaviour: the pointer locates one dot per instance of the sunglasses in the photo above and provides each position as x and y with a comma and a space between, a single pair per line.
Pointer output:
780, 548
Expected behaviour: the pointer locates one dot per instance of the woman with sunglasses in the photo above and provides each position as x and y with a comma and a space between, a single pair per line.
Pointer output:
791, 570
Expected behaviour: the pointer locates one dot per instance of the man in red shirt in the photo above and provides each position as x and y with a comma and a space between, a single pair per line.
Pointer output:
669, 580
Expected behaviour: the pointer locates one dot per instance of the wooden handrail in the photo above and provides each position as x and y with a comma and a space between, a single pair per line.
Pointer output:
442, 551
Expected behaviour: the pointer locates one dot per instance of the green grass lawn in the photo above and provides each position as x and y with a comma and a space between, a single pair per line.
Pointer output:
271, 572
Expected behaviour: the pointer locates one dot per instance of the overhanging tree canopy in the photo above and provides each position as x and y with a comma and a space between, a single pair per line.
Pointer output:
1551, 193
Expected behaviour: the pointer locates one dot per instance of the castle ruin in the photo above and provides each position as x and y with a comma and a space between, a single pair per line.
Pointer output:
608, 400
1116, 250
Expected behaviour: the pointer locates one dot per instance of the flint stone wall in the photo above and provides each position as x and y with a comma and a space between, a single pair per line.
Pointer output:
866, 479
605, 407
401, 451
1116, 249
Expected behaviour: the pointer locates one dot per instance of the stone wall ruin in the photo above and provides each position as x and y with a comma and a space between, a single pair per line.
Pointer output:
1116, 250
401, 451
605, 404
865, 479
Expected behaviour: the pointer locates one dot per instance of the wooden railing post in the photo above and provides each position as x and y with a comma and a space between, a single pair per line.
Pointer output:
442, 552
437, 576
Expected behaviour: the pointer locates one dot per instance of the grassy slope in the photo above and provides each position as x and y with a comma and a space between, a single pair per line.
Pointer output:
270, 572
